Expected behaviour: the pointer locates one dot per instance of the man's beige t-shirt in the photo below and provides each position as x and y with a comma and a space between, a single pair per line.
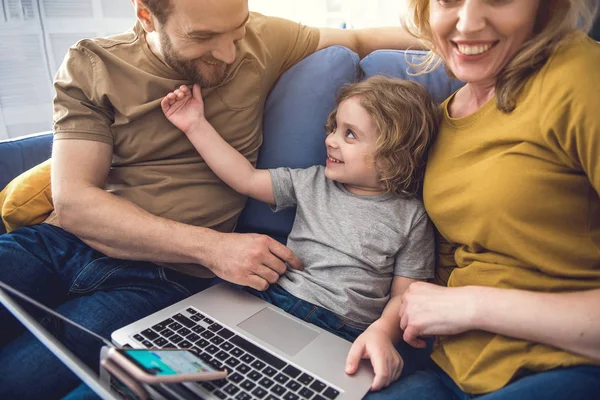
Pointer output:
109, 90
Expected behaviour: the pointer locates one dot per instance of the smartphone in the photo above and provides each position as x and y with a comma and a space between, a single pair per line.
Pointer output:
154, 366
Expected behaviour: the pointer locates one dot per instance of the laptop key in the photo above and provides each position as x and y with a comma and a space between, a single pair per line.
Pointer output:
209, 321
212, 349
232, 362
147, 343
243, 368
306, 393
208, 386
331, 393
226, 346
258, 365
217, 340
207, 334
167, 333
192, 337
306, 379
293, 385
235, 377
219, 383
318, 397
247, 358
243, 396
220, 394
158, 327
318, 386
278, 390
221, 355
138, 337
166, 322
237, 352
168, 345
231, 389
176, 339
185, 344
257, 352
290, 396
175, 326
192, 310
196, 318
272, 397
225, 333
255, 375
184, 331
215, 327
292, 371
183, 320
161, 341
266, 382
248, 385
259, 392
198, 329
281, 378
149, 334
202, 343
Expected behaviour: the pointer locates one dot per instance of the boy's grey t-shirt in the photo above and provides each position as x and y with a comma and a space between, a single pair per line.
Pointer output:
351, 246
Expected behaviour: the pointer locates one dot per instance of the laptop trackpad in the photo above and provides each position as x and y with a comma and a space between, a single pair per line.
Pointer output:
279, 330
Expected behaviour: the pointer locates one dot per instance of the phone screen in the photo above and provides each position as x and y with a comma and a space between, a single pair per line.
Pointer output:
167, 362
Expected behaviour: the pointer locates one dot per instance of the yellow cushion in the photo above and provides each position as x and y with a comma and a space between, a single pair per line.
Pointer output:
27, 199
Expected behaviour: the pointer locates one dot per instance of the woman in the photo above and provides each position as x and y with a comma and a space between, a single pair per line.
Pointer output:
512, 185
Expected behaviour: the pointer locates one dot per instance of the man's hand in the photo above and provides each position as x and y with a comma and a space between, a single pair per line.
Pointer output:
183, 108
429, 309
376, 345
251, 260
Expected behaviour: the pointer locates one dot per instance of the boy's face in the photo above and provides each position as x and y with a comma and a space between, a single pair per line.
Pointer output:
199, 38
351, 148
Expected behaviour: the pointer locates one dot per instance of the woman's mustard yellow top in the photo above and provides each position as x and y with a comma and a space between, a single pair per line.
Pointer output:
517, 195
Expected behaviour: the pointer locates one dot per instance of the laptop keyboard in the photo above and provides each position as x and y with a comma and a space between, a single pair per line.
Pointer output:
254, 373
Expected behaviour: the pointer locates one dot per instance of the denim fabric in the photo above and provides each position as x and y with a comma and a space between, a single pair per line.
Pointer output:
574, 383
306, 311
98, 292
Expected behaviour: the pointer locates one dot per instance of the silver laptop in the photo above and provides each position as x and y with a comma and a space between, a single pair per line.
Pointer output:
269, 354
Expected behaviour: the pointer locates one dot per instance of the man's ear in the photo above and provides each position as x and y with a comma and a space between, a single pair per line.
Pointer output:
143, 15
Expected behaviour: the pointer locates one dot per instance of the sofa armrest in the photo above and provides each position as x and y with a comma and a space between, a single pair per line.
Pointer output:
19, 155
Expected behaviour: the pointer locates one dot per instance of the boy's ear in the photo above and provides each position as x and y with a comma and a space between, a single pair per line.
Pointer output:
143, 15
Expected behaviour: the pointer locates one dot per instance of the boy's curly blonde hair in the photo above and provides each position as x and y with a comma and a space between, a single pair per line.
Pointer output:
407, 121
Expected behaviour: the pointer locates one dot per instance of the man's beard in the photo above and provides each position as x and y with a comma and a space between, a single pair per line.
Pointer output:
204, 75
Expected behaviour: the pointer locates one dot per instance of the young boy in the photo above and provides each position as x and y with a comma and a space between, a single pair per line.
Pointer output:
359, 231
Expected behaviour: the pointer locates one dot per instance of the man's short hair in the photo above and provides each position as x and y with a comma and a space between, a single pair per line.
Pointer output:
160, 9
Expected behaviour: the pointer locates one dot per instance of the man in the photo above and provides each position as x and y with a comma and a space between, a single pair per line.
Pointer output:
140, 221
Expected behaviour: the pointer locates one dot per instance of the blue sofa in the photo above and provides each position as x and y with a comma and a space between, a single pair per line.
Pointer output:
295, 114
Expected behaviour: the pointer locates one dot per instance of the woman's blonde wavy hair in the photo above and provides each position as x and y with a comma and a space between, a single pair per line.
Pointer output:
406, 119
555, 20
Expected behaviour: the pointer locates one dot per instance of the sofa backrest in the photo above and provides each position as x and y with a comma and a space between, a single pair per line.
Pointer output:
297, 109
293, 127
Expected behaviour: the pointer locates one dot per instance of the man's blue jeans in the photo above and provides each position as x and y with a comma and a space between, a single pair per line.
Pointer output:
101, 293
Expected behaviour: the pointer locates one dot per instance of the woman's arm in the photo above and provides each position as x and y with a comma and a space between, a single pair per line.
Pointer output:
185, 110
570, 321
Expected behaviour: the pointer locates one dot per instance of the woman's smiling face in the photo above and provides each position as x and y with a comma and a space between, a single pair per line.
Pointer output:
477, 38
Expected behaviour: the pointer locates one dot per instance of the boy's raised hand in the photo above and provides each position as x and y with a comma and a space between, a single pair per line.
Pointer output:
184, 108
376, 345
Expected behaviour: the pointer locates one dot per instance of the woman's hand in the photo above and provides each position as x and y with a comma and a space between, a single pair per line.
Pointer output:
376, 345
429, 309
184, 108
